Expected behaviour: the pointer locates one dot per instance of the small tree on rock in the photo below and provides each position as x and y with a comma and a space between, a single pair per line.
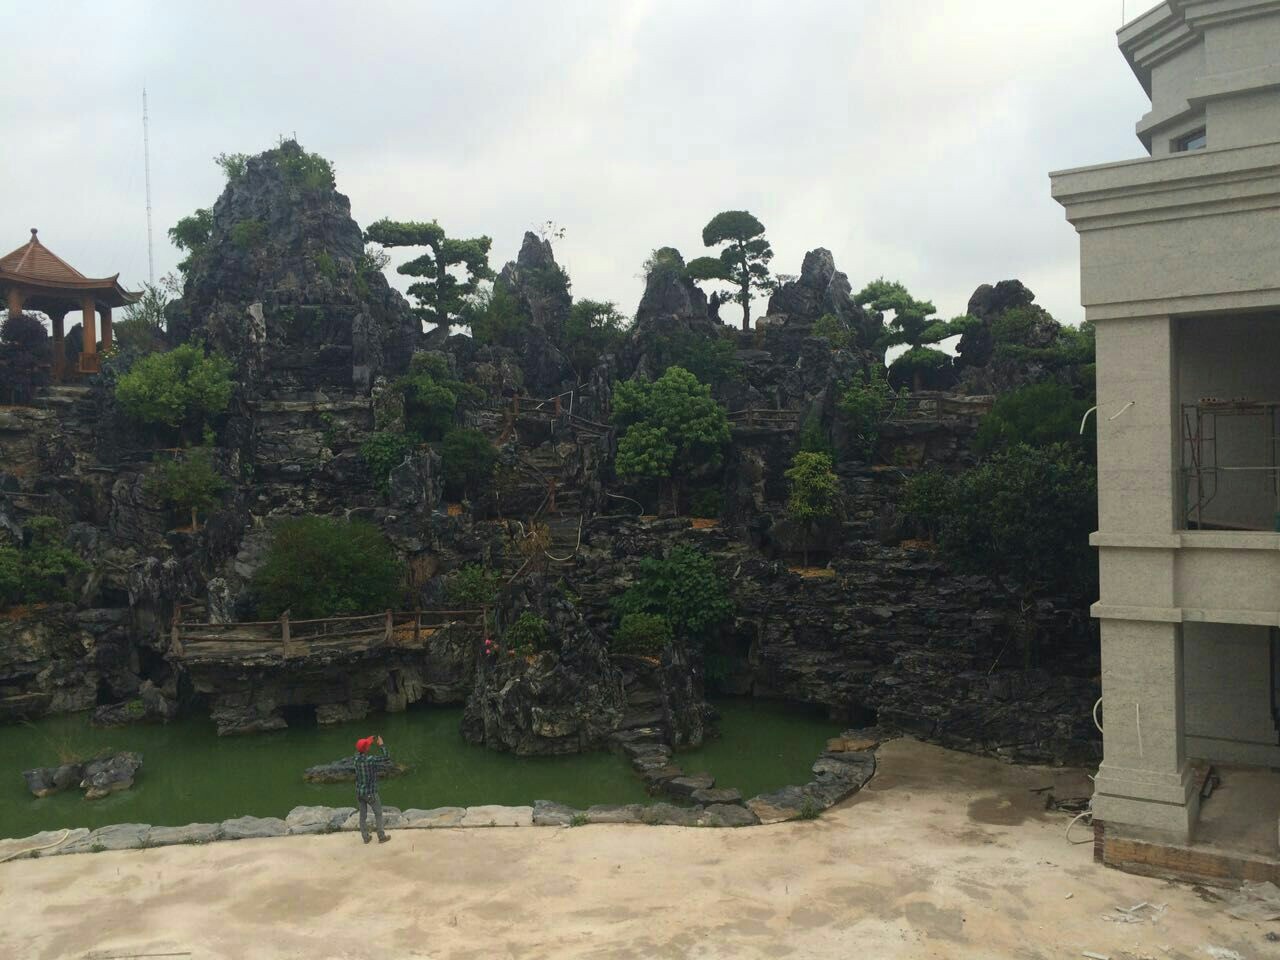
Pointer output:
744, 262
440, 294
191, 483
815, 493
672, 427
914, 325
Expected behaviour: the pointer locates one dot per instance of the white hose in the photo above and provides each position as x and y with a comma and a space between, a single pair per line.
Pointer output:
1082, 813
12, 856
1095, 715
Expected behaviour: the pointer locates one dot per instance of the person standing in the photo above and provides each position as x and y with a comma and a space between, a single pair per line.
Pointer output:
367, 766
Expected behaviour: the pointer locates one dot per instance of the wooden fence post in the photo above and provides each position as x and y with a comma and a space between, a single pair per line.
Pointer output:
284, 635
417, 625
389, 633
557, 409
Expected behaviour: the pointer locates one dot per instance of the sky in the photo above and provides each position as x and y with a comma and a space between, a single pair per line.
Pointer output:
912, 138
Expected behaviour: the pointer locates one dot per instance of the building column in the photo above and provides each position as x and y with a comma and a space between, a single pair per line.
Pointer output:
1144, 781
89, 337
106, 329
58, 359
15, 301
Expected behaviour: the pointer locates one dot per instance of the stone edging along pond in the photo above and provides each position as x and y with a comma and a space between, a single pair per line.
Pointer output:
840, 772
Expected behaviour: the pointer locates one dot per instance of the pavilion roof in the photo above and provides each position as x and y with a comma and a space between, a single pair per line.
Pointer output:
47, 276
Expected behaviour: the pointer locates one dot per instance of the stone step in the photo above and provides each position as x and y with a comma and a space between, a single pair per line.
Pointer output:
633, 719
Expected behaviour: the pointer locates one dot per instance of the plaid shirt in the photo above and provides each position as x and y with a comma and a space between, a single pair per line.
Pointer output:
367, 765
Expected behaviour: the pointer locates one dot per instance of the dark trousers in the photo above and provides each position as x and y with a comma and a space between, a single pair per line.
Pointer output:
365, 803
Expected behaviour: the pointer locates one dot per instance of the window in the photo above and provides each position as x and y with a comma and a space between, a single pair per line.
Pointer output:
1192, 141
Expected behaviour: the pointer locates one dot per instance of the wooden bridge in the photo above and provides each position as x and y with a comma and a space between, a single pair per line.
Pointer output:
940, 406
287, 639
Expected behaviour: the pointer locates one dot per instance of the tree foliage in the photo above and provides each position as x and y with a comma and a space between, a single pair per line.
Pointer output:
191, 235
321, 567
142, 328
684, 588
1038, 415
1021, 518
468, 461
180, 388
472, 585
593, 328
867, 404
433, 396
383, 451
713, 360
913, 325
494, 317
529, 634
743, 262
671, 427
24, 354
441, 295
189, 483
37, 571
814, 492
835, 330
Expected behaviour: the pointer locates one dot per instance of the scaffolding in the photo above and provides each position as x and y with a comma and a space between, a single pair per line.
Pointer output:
1201, 469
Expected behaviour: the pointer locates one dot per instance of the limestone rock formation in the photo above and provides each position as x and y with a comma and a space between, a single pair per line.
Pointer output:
98, 778
822, 289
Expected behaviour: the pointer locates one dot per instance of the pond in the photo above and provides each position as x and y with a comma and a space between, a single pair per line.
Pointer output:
190, 775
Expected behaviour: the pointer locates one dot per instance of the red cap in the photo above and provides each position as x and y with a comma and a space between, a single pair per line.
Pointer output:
363, 745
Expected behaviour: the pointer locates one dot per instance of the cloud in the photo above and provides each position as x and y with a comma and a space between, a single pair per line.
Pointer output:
912, 139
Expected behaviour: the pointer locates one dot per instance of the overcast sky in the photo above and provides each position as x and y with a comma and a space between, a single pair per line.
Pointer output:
911, 137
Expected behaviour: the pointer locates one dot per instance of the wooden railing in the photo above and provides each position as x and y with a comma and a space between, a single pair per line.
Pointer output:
288, 638
770, 419
938, 407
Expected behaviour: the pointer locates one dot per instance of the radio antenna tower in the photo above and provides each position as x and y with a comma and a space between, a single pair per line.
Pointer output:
146, 163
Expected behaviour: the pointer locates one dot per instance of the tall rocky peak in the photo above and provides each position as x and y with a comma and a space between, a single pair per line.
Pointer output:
672, 310
282, 236
1009, 317
540, 283
821, 289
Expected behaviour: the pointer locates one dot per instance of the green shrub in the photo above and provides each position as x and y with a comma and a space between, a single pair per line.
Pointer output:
38, 571
642, 635
180, 388
712, 360
1037, 415
471, 585
592, 329
814, 437
307, 171
815, 492
528, 635
188, 484
836, 331
468, 461
432, 396
248, 234
494, 317
383, 451
867, 405
232, 164
683, 587
320, 567
926, 499
325, 265
707, 504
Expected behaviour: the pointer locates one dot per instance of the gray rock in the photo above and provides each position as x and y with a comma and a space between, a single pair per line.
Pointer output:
193, 833
548, 813
717, 795
657, 776
728, 815
669, 814
493, 815
110, 775
686, 785
785, 804
26, 847
344, 771
249, 828
415, 819
615, 813
117, 836
317, 819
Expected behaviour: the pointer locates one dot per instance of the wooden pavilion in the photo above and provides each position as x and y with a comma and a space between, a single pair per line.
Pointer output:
33, 276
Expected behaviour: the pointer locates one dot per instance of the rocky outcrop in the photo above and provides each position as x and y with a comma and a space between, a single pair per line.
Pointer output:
564, 699
344, 771
98, 778
822, 289
283, 287
541, 288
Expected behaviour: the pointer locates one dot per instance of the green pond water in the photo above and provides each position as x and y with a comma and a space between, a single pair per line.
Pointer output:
190, 775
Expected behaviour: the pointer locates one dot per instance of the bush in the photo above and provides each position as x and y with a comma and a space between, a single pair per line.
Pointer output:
383, 451
834, 330
23, 357
248, 234
1038, 415
494, 317
711, 359
469, 459
528, 635
432, 396
684, 587
642, 635
866, 405
181, 387
592, 329
707, 504
188, 484
320, 567
471, 585
815, 492
38, 571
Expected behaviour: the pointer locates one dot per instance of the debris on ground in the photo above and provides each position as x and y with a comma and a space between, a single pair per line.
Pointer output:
1096, 956
1067, 804
1255, 901
1222, 953
1138, 913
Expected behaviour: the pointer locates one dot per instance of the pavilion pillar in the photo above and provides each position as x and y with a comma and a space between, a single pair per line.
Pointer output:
89, 337
15, 301
58, 361
106, 329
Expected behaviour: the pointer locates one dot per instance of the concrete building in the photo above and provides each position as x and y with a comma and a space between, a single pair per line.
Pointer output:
1180, 270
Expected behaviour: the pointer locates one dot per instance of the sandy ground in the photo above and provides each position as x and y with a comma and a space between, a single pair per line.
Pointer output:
942, 855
